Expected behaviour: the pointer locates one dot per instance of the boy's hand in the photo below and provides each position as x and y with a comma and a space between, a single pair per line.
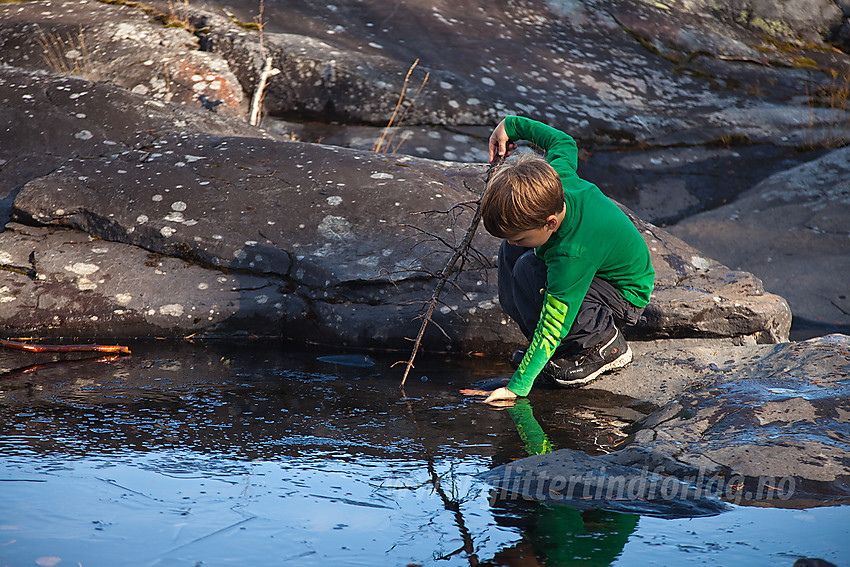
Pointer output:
495, 397
500, 144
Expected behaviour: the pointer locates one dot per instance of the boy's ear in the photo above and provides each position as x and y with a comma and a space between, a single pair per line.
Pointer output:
551, 222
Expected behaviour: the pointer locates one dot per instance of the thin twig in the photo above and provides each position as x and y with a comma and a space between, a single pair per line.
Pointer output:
32, 347
450, 209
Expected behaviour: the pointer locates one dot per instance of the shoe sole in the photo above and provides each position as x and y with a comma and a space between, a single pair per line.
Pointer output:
621, 361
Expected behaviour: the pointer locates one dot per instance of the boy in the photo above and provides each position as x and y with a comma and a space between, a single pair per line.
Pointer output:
573, 269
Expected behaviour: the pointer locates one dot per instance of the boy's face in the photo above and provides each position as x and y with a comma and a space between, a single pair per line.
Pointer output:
534, 237
531, 238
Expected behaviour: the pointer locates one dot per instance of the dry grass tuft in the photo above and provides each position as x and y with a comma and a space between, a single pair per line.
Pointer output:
68, 56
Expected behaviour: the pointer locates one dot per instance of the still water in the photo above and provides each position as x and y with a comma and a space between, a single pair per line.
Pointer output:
267, 454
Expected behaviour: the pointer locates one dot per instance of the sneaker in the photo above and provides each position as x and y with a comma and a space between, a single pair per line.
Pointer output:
516, 358
582, 369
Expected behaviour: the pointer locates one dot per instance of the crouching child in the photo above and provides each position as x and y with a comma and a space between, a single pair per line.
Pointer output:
573, 268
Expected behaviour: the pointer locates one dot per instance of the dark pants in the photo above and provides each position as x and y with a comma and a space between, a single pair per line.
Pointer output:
522, 282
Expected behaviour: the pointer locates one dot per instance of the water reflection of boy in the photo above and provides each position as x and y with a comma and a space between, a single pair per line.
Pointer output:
563, 535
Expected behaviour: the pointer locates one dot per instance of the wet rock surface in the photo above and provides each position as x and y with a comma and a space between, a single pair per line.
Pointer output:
764, 426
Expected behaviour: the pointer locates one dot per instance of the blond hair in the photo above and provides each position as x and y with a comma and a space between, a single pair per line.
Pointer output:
520, 196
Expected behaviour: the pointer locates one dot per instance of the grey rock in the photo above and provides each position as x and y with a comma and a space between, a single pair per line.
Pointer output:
792, 231
583, 481
148, 52
754, 425
333, 228
781, 416
58, 282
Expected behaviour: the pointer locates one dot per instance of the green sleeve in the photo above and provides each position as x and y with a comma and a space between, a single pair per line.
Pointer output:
535, 439
547, 336
561, 150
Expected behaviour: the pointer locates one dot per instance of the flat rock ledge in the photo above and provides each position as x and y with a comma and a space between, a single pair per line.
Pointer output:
185, 232
765, 425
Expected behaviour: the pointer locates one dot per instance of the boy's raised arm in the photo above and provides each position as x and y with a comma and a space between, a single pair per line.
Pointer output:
561, 149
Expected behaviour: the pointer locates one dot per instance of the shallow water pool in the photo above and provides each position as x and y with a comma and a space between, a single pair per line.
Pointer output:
264, 454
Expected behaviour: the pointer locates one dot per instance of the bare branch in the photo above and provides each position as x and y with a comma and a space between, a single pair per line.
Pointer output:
460, 253
32, 347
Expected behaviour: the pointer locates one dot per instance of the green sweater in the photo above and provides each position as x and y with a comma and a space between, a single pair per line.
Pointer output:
596, 238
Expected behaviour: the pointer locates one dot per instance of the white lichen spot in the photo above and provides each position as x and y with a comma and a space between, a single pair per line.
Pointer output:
173, 309
381, 175
142, 219
488, 81
192, 159
156, 198
334, 200
240, 254
217, 237
85, 284
167, 231
370, 261
82, 269
203, 286
333, 227
262, 299
700, 263
173, 217
5, 258
178, 206
123, 298
84, 135
324, 251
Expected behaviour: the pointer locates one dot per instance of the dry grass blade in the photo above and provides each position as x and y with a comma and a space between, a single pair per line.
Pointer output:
380, 144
